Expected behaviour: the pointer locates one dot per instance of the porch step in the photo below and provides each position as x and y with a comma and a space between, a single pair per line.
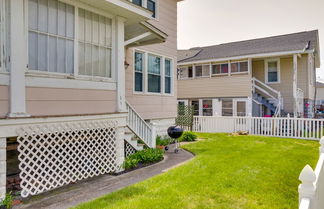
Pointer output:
133, 140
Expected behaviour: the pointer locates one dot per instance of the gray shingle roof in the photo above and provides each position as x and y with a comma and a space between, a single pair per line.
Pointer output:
283, 43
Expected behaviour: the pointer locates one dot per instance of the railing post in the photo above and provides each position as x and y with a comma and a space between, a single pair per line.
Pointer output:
307, 188
154, 135
321, 149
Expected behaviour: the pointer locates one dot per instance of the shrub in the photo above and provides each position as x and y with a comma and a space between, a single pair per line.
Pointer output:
144, 156
188, 136
7, 201
163, 142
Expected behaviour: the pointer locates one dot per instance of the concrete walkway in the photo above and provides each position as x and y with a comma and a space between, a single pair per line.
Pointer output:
87, 190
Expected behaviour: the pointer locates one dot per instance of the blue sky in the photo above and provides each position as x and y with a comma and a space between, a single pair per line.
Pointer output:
209, 22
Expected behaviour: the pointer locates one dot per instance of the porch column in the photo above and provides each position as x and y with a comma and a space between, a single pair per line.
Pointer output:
295, 60
3, 166
18, 60
120, 63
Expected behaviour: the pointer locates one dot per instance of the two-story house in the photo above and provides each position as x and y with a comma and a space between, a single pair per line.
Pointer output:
262, 77
78, 80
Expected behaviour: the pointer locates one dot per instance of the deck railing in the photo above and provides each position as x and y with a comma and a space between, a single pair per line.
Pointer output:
140, 128
301, 128
311, 190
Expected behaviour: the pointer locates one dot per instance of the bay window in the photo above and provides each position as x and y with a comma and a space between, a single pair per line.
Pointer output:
52, 39
272, 71
139, 69
152, 73
167, 76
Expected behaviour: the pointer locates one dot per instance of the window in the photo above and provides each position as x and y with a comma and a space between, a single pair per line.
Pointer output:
138, 2
238, 67
154, 74
151, 5
272, 71
139, 69
195, 105
51, 36
202, 70
220, 69
168, 76
241, 108
207, 108
227, 107
95, 39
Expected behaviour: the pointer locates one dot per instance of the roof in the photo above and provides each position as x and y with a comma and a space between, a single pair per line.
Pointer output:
291, 42
319, 85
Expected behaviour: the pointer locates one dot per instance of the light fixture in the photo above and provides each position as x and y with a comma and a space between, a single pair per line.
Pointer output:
126, 64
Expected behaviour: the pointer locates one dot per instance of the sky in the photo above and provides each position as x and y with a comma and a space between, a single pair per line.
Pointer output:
210, 22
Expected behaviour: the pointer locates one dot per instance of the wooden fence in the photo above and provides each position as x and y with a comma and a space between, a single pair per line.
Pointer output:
301, 128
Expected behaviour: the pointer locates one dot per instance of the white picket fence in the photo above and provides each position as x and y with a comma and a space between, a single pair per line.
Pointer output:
301, 128
311, 190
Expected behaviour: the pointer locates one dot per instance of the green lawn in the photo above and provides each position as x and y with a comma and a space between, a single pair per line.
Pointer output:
227, 172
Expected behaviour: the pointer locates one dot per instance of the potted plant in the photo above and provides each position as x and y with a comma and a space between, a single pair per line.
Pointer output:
6, 203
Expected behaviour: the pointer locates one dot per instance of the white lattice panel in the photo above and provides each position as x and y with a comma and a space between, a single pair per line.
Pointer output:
54, 155
129, 149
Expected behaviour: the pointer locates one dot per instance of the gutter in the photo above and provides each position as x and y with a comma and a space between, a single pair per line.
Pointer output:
273, 54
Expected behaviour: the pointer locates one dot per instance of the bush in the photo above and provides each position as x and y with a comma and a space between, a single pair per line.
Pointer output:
188, 136
144, 156
163, 142
7, 201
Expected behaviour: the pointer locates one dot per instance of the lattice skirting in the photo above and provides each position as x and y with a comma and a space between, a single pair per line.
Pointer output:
54, 155
129, 149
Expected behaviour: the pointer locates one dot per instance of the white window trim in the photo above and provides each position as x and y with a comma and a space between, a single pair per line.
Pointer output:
145, 73
266, 70
81, 78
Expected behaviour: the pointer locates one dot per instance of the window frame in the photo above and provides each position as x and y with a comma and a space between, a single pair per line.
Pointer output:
171, 75
161, 73
145, 77
157, 6
267, 70
202, 71
220, 64
75, 75
143, 71
239, 62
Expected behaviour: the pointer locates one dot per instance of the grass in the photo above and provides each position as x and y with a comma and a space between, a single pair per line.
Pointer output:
227, 172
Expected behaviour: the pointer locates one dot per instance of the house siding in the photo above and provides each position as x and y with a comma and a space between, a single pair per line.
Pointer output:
220, 86
53, 101
286, 78
4, 101
157, 106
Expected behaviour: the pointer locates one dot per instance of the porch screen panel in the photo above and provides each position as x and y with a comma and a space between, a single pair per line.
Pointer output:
50, 36
95, 44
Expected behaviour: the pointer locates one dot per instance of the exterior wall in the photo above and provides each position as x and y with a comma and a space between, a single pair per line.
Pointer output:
320, 93
162, 126
4, 101
220, 86
157, 106
52, 101
286, 78
3, 166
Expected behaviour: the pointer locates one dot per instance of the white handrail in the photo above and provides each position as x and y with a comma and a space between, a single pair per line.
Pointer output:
257, 84
139, 127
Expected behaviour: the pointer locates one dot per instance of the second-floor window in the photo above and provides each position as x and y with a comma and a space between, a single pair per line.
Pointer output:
272, 68
202, 70
138, 2
154, 74
239, 67
151, 5
220, 69
139, 71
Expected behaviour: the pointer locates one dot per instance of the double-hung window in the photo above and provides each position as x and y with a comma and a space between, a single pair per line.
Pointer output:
272, 71
51, 36
138, 2
139, 71
167, 76
151, 5
154, 74
95, 32
227, 107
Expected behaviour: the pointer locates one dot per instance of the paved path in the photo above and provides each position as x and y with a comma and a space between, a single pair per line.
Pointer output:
87, 190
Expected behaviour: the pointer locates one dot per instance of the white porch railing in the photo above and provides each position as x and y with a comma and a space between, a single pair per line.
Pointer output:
140, 128
311, 190
269, 92
301, 128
